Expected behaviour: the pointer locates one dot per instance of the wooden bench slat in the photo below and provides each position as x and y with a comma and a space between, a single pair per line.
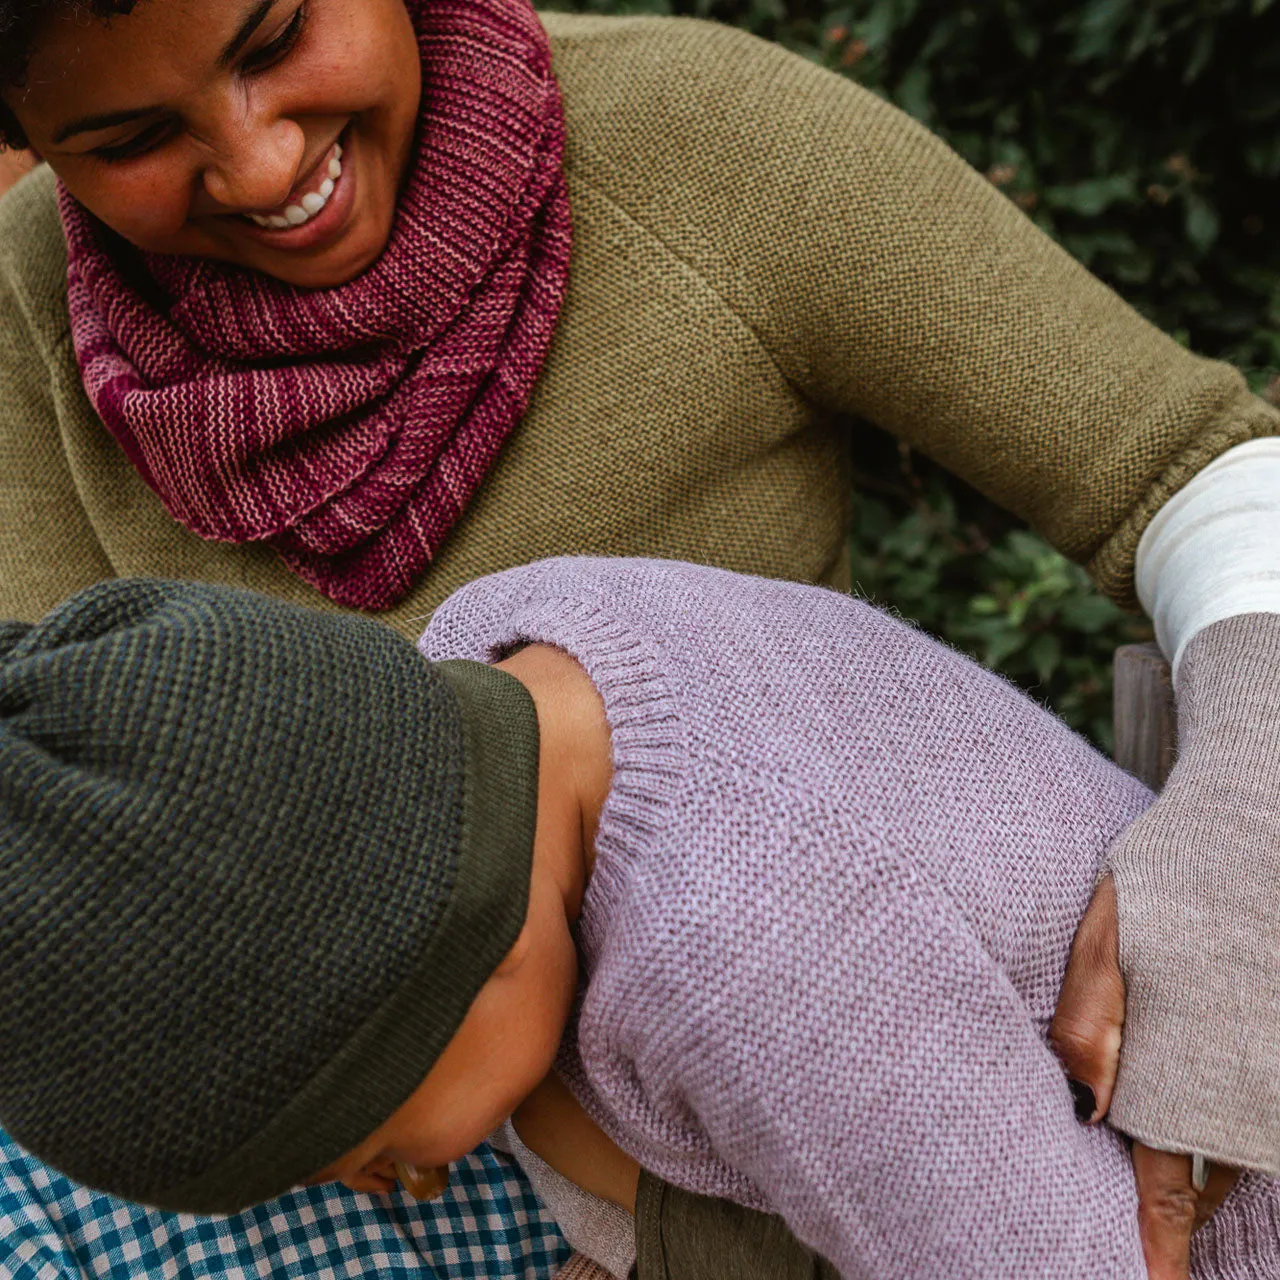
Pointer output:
1145, 718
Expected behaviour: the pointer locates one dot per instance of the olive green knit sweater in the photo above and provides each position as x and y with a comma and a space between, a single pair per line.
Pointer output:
755, 238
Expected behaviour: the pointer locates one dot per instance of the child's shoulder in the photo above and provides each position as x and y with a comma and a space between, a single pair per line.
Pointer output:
638, 589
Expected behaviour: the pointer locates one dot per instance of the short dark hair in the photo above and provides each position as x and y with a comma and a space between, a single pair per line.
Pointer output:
20, 22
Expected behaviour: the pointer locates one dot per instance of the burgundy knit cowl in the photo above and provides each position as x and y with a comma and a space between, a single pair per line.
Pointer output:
349, 427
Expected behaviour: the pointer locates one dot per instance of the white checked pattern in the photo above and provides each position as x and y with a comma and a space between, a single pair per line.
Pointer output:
489, 1224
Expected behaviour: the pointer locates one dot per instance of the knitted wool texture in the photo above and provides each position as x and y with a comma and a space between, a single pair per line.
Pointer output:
754, 238
1200, 1070
349, 427
255, 863
837, 877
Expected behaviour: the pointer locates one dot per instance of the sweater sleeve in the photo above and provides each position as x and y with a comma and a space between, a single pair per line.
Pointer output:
901, 1114
48, 549
887, 278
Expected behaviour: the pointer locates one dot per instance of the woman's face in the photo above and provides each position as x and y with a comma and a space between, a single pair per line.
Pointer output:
188, 123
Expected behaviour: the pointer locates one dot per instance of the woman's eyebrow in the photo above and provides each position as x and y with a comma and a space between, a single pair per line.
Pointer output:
105, 120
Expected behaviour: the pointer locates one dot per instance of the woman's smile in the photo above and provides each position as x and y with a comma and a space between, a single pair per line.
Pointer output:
271, 134
316, 211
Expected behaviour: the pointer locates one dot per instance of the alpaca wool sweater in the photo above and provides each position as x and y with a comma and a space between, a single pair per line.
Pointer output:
756, 240
836, 881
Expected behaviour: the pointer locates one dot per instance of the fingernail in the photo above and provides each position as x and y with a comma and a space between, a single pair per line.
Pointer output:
1082, 1096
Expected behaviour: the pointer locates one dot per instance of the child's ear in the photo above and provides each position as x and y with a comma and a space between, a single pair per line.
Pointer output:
516, 956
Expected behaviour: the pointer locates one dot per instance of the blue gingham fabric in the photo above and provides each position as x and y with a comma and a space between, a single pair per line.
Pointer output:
488, 1224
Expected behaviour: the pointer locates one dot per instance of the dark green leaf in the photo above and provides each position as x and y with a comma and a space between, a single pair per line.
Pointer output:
913, 93
1093, 196
1202, 223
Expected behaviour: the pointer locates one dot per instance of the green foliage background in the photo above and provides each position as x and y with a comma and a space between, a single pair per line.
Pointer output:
1144, 135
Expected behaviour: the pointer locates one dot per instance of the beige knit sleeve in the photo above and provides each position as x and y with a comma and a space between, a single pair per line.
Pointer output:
1196, 895
47, 548
887, 278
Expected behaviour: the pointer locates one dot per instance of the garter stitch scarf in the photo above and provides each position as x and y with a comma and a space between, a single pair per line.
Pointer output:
349, 427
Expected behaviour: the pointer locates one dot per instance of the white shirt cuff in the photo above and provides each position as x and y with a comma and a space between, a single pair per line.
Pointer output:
1213, 550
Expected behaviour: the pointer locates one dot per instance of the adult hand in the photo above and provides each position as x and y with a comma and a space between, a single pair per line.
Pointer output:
1086, 1032
1180, 949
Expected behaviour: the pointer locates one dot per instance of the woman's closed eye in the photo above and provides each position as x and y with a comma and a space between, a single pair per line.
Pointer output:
274, 50
144, 140
160, 131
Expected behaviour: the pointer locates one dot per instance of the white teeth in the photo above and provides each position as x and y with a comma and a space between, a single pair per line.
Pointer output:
310, 204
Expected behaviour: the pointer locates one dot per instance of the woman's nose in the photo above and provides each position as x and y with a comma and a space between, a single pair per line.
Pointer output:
255, 166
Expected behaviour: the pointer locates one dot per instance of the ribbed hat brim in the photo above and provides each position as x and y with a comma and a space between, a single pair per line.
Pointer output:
376, 1069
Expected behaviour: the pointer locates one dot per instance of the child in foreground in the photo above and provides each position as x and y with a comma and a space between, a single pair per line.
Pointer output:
781, 888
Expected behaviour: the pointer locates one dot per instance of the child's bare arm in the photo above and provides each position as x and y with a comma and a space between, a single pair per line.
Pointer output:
554, 1126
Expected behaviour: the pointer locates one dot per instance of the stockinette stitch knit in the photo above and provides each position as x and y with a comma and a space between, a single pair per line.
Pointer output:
349, 427
837, 877
255, 863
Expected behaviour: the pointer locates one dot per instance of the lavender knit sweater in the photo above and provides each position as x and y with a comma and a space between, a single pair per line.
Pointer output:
837, 877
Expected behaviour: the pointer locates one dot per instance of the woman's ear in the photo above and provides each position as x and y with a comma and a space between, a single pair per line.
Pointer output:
13, 164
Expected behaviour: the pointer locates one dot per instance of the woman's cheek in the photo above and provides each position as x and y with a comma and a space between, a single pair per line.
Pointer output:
147, 204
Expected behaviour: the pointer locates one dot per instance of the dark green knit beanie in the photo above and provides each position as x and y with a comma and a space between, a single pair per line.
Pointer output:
255, 863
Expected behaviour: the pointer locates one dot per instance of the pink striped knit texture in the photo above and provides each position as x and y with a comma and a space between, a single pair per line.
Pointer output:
349, 427
580, 1267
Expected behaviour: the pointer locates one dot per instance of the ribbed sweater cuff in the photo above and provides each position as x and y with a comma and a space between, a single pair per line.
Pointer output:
1198, 886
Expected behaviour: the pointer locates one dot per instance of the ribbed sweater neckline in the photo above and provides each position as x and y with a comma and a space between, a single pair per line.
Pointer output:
648, 742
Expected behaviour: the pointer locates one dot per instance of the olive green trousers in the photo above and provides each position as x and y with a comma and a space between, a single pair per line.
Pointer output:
682, 1236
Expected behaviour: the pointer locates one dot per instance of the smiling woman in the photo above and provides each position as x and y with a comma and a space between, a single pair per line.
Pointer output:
189, 127
402, 369
355, 301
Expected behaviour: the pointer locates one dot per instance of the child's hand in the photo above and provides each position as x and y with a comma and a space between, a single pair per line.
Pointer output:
1086, 1034
552, 1125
